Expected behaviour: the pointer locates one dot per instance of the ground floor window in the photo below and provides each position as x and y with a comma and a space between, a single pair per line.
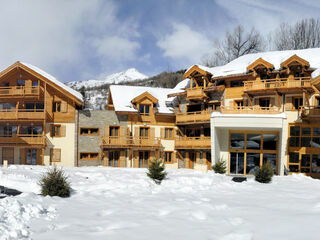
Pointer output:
114, 158
143, 159
31, 157
168, 157
304, 162
249, 150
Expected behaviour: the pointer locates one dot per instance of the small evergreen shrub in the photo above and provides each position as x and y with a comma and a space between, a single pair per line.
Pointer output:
265, 173
156, 171
220, 167
55, 183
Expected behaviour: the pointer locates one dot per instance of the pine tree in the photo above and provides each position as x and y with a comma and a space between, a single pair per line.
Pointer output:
157, 171
55, 183
265, 173
219, 167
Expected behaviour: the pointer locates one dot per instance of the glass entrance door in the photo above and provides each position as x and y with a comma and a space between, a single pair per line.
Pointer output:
237, 163
31, 156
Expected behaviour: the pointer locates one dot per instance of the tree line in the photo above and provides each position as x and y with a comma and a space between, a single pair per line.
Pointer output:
240, 41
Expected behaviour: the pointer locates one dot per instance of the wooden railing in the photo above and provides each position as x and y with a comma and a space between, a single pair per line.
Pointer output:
278, 83
249, 110
193, 117
310, 112
129, 141
16, 113
196, 93
23, 139
19, 91
193, 142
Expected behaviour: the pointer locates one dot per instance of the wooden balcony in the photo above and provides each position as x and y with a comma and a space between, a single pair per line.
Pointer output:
23, 139
19, 114
249, 110
201, 142
193, 117
19, 91
312, 112
280, 84
130, 142
196, 93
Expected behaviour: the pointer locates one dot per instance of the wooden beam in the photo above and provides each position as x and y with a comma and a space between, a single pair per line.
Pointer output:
249, 99
278, 99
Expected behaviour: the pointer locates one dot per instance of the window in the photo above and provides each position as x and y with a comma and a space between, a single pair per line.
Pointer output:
239, 103
237, 141
144, 132
35, 83
144, 109
168, 133
89, 156
21, 82
264, 102
56, 107
113, 131
114, 159
7, 106
143, 159
297, 102
58, 130
89, 131
168, 157
194, 108
236, 84
37, 107
55, 155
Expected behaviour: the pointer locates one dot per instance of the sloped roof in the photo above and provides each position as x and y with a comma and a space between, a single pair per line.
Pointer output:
123, 95
54, 80
239, 65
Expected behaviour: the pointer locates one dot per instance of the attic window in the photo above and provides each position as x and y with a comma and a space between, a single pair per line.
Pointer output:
144, 109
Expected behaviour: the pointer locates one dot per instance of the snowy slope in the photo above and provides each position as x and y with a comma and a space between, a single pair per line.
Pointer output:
129, 75
121, 203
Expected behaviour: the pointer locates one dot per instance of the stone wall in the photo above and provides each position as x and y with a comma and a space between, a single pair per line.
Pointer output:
100, 119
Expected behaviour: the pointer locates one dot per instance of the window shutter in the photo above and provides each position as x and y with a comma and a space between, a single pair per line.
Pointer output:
288, 104
39, 156
64, 107
122, 159
22, 155
122, 130
162, 133
106, 131
63, 130
55, 155
136, 159
136, 132
152, 133
51, 130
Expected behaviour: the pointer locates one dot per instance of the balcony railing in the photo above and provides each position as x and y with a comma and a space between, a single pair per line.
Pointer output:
196, 93
15, 113
129, 141
19, 91
249, 110
200, 142
310, 112
193, 117
24, 139
278, 83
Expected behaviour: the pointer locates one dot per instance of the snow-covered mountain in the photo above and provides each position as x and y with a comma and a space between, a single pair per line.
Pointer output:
129, 75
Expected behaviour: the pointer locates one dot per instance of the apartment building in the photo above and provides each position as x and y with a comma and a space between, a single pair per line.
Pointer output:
37, 117
263, 107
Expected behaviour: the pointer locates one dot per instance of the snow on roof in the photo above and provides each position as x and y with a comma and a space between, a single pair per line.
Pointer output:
239, 65
123, 95
315, 73
54, 80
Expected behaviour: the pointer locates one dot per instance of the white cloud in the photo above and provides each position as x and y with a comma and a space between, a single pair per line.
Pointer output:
117, 48
185, 45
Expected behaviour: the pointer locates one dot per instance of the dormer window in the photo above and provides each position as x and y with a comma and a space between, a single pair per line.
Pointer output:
21, 82
144, 109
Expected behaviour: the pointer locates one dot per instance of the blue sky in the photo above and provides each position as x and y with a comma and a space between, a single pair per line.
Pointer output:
88, 39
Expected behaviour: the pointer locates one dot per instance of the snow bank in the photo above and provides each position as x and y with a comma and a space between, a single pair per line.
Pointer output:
115, 203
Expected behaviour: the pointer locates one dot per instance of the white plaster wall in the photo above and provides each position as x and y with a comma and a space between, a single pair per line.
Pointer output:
66, 144
200, 167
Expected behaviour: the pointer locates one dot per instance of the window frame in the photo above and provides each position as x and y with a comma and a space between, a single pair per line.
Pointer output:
167, 136
57, 105
89, 131
166, 155
52, 153
52, 130
144, 108
89, 154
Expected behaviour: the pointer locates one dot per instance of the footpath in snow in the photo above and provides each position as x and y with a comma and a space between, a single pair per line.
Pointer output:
115, 203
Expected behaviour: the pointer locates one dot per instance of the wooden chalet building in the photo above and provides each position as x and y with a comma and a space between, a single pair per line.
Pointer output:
37, 117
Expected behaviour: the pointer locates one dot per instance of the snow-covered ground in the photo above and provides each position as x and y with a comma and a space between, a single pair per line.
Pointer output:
110, 203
